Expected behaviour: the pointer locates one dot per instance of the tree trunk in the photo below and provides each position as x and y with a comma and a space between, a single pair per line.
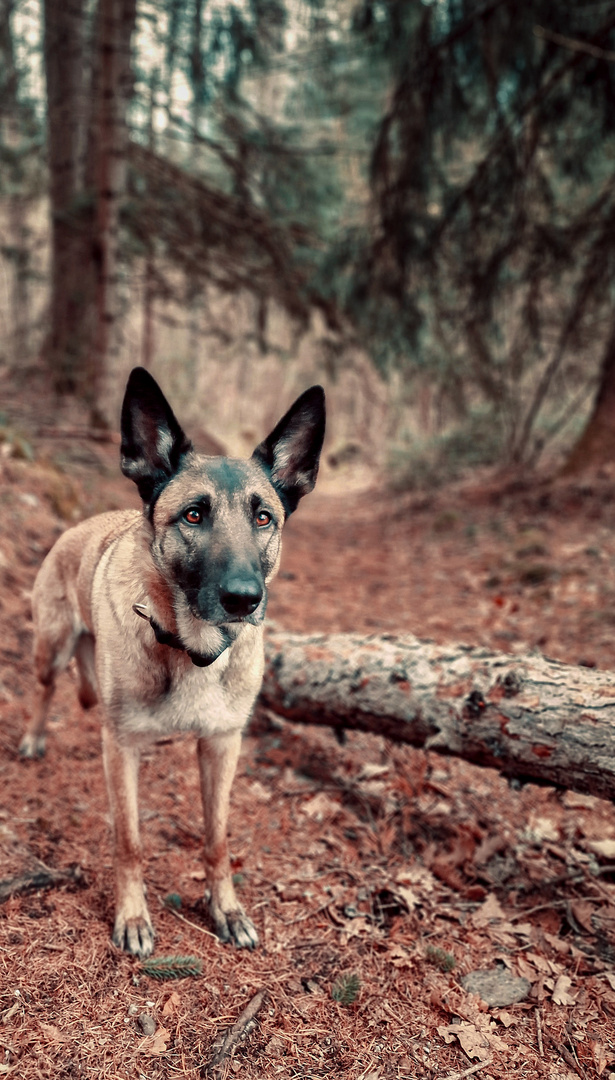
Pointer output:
117, 18
72, 281
19, 292
596, 445
87, 165
528, 717
149, 274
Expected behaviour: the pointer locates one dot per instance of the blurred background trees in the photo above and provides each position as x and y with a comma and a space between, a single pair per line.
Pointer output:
413, 202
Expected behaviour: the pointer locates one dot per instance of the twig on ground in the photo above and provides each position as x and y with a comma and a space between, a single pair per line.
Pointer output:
566, 1055
243, 1026
516, 915
43, 878
195, 926
469, 1072
306, 915
541, 1050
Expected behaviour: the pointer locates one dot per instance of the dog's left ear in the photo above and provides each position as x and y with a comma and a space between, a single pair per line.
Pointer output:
153, 442
292, 451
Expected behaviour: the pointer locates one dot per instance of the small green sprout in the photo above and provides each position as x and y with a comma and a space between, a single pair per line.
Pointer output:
440, 958
346, 989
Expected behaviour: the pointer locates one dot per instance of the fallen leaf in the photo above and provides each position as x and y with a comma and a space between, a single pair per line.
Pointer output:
524, 929
490, 911
556, 943
419, 876
599, 1056
276, 1046
370, 771
477, 1044
543, 828
583, 911
505, 1018
259, 792
525, 969
572, 800
354, 928
541, 963
320, 807
605, 848
560, 991
172, 1003
53, 1034
155, 1044
408, 895
399, 957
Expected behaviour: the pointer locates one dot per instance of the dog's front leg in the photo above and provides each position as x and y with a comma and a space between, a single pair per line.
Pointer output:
133, 930
217, 763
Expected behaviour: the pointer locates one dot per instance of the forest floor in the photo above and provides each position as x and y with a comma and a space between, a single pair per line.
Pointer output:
369, 869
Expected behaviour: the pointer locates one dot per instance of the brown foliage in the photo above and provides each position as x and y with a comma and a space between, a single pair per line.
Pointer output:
360, 860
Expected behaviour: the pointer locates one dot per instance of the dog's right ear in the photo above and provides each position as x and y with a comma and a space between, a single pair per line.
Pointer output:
292, 451
153, 443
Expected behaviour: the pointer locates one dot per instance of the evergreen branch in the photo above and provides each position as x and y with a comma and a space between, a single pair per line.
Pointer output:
172, 967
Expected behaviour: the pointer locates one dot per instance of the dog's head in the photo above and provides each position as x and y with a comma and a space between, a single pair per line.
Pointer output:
217, 521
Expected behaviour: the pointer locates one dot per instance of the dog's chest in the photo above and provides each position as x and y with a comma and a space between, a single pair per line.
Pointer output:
193, 700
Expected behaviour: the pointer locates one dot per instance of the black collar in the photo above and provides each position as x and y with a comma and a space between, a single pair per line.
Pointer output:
165, 637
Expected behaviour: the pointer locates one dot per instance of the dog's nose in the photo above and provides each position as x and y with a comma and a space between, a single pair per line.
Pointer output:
241, 596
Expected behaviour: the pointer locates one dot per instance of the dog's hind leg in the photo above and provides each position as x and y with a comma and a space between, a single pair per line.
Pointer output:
133, 930
33, 741
52, 652
217, 763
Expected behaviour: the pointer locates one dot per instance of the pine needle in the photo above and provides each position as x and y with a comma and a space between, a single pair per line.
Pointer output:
441, 959
346, 989
172, 967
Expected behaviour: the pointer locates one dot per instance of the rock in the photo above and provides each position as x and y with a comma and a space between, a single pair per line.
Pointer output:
496, 987
146, 1023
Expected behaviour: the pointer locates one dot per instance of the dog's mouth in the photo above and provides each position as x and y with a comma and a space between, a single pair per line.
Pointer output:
255, 619
224, 619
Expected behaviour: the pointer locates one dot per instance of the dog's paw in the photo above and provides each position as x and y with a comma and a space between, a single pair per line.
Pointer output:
134, 936
32, 746
235, 927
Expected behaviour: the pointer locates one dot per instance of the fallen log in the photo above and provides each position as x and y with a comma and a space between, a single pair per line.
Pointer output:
530, 717
41, 878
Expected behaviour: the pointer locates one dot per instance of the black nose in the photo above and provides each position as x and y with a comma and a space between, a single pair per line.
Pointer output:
241, 596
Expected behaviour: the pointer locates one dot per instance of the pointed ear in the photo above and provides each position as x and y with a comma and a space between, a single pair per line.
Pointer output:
153, 443
292, 451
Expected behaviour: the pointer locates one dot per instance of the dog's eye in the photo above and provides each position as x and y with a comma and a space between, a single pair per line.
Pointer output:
193, 515
263, 519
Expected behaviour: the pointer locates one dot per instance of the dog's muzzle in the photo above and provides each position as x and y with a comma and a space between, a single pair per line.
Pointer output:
241, 596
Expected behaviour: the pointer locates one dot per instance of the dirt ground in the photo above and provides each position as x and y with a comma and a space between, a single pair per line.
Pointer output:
378, 876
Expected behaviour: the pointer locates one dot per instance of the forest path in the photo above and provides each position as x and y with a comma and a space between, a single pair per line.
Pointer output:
355, 860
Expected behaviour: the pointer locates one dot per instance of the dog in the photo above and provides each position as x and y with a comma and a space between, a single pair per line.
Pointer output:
162, 609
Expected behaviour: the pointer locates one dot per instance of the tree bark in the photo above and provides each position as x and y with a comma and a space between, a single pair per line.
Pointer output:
527, 716
149, 272
596, 445
71, 278
88, 87
117, 18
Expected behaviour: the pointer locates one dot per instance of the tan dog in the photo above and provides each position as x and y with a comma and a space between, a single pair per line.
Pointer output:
162, 610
